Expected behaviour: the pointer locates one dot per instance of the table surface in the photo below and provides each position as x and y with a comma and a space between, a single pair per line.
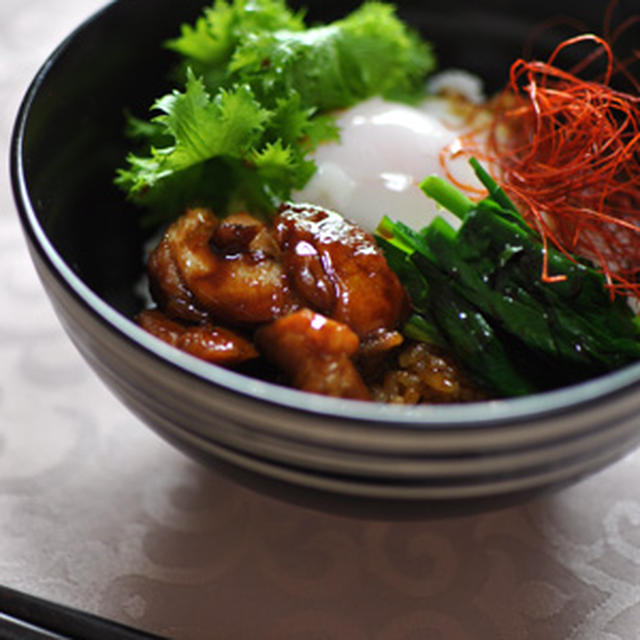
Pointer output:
99, 513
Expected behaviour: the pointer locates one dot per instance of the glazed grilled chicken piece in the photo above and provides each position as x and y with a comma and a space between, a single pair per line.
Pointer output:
315, 352
228, 270
168, 287
316, 289
205, 341
336, 268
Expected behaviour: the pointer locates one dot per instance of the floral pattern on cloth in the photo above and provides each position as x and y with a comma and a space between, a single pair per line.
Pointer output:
99, 513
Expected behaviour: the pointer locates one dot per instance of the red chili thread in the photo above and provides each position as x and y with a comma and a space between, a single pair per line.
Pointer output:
567, 151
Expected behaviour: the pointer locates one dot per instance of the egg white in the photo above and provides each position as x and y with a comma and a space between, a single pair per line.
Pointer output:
385, 151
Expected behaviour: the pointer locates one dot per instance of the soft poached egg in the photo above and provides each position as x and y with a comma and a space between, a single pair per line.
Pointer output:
385, 151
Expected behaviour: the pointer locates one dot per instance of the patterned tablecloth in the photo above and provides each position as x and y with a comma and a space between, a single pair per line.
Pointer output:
99, 513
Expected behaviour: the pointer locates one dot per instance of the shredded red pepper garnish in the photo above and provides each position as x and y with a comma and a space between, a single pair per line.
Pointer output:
567, 151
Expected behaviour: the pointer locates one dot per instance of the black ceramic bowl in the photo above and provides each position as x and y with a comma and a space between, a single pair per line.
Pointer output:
87, 247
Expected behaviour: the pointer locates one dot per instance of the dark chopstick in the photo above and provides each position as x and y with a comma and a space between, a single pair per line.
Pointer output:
12, 629
26, 617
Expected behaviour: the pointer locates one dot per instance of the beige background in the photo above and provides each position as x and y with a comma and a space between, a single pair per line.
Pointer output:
99, 513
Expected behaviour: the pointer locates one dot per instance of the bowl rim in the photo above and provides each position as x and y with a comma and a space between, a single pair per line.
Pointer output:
533, 407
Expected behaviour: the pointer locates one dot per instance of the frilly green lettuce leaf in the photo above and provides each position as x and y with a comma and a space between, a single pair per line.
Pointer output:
217, 33
259, 91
